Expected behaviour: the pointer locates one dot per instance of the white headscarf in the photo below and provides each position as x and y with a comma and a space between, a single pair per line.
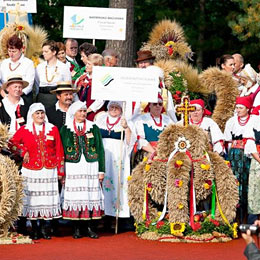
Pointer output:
72, 111
116, 103
32, 109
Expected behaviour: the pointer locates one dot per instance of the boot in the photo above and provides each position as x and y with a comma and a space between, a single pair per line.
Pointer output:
76, 226
21, 226
55, 228
45, 229
35, 234
90, 233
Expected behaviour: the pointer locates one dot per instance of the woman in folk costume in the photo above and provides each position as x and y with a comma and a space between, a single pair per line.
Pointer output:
49, 73
200, 117
111, 123
84, 84
253, 131
234, 134
149, 126
85, 167
39, 143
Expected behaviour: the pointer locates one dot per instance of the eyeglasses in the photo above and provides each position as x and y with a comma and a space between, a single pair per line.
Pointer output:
73, 48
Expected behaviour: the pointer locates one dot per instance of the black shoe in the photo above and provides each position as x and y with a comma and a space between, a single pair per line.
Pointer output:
91, 233
45, 233
35, 235
76, 233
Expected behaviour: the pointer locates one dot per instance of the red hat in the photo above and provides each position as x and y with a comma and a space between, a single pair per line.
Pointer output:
200, 102
245, 101
160, 100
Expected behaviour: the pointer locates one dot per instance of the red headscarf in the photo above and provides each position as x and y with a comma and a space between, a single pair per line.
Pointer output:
200, 102
245, 101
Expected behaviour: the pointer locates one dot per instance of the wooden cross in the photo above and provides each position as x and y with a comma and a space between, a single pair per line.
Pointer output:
185, 108
18, 13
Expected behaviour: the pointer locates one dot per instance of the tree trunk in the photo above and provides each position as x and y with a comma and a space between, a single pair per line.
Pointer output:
125, 48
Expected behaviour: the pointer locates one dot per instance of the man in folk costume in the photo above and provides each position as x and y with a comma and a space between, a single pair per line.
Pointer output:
247, 78
234, 134
200, 117
57, 113
39, 144
85, 167
13, 109
150, 125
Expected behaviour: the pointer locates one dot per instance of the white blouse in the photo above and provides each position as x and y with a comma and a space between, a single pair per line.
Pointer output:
48, 76
23, 67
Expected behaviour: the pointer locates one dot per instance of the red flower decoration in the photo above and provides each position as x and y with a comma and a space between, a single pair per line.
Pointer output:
197, 226
178, 92
215, 222
147, 223
209, 182
159, 224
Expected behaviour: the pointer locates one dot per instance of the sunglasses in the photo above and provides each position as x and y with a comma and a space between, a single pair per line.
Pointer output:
155, 104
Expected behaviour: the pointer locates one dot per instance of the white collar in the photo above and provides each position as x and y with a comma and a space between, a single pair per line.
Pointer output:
89, 125
7, 102
57, 106
48, 128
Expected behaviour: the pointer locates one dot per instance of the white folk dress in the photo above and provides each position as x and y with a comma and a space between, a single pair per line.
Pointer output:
111, 142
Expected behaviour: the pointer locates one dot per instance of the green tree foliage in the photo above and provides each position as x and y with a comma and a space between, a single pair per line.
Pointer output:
246, 24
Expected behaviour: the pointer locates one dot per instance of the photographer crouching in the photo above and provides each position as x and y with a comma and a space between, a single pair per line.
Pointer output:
251, 250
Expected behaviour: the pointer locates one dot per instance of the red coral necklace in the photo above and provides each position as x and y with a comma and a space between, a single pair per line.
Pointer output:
157, 124
111, 125
77, 131
243, 122
198, 123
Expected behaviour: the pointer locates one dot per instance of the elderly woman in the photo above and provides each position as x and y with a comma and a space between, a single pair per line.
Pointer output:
48, 73
84, 84
39, 143
85, 167
200, 117
235, 136
148, 128
17, 64
111, 124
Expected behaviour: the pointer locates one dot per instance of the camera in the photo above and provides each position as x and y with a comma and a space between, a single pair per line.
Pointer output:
244, 227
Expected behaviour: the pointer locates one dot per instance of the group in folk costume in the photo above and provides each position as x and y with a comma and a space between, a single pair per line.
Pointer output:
235, 135
85, 168
112, 124
39, 144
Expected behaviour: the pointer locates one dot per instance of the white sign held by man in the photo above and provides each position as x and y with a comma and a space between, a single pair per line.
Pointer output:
94, 23
28, 6
124, 84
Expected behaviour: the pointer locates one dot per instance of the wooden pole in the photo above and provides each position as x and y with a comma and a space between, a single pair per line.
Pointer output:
119, 172
94, 42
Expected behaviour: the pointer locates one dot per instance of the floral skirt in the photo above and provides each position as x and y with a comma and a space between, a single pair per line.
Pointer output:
254, 188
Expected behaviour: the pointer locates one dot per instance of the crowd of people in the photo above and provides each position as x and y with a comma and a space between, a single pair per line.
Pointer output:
71, 148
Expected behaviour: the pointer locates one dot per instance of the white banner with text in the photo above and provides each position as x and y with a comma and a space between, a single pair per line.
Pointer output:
94, 23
